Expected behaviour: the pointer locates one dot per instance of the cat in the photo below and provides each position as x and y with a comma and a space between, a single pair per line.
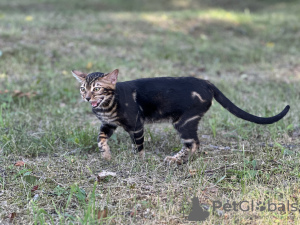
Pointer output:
131, 104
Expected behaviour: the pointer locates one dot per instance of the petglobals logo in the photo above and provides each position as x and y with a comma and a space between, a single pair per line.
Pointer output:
199, 214
247, 206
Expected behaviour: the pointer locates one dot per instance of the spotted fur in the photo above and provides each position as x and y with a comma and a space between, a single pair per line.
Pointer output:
131, 104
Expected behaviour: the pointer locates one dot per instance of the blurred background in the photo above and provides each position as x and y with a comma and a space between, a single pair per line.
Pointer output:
149, 38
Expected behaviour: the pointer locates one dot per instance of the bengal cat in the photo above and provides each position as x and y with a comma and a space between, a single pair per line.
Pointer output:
131, 104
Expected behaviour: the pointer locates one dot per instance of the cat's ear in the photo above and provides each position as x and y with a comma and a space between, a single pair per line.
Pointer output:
80, 76
112, 77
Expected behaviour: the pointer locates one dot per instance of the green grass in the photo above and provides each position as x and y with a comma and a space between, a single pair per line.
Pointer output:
248, 49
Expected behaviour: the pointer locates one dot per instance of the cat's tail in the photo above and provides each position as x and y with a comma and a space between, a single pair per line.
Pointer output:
227, 104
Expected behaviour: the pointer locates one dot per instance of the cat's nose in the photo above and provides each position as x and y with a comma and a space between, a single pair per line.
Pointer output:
88, 98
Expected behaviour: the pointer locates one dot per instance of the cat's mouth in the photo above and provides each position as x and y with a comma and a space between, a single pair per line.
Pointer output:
96, 103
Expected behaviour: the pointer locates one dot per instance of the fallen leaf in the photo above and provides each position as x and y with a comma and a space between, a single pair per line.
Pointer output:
214, 189
35, 188
11, 216
30, 94
19, 163
102, 214
193, 172
89, 65
133, 213
29, 18
270, 44
105, 174
18, 93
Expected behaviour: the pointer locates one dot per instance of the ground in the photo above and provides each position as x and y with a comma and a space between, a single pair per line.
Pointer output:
49, 161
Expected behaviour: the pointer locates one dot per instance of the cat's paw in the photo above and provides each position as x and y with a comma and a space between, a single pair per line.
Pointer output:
173, 160
105, 152
142, 155
106, 155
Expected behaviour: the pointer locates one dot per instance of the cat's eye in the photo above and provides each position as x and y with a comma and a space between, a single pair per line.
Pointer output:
82, 89
96, 89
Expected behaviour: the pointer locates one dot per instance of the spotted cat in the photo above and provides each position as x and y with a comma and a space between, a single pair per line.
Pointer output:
131, 104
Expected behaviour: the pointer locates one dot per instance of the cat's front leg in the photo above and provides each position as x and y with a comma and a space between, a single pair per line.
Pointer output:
137, 136
106, 130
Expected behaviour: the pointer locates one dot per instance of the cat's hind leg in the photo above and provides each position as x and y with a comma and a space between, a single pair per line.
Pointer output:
187, 127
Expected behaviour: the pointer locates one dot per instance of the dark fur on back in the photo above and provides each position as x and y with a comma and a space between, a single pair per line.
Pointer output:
156, 99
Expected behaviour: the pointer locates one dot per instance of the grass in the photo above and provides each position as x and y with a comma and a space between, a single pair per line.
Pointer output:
247, 49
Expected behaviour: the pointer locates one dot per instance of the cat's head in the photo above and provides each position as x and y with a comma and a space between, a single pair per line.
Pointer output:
97, 88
